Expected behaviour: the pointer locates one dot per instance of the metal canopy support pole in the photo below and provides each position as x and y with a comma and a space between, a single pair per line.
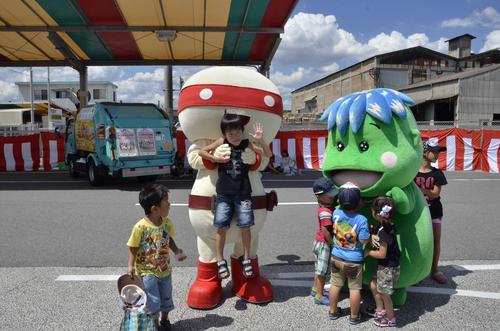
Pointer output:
169, 95
49, 115
83, 86
32, 112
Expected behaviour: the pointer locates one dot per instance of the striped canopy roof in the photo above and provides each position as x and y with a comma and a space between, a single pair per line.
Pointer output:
123, 32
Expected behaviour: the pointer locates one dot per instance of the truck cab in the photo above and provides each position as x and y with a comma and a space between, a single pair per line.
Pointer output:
119, 140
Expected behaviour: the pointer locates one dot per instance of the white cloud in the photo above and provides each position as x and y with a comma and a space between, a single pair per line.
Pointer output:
318, 45
492, 41
488, 17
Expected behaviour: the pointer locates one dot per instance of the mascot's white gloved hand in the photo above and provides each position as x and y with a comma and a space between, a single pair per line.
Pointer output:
222, 151
248, 156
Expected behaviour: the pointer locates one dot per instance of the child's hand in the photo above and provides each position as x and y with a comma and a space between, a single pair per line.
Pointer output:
258, 129
131, 271
179, 255
375, 242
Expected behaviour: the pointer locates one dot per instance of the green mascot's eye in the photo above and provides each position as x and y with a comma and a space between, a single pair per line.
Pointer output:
363, 146
340, 146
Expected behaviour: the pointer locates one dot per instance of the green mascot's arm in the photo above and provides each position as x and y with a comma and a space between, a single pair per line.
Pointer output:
405, 198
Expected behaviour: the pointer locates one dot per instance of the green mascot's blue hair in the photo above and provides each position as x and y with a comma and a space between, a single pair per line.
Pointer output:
380, 103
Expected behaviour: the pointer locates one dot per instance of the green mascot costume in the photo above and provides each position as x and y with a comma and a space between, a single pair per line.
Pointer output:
373, 141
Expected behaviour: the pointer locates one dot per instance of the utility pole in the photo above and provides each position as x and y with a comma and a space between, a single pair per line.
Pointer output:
169, 95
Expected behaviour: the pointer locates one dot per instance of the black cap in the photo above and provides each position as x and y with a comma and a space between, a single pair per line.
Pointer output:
433, 146
325, 186
349, 196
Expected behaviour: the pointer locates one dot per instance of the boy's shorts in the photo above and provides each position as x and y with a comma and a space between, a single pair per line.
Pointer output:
323, 253
342, 269
227, 205
159, 294
386, 279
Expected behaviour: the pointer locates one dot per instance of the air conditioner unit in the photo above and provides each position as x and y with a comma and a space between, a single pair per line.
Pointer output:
166, 35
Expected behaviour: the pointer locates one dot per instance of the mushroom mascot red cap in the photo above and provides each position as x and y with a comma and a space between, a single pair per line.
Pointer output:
203, 100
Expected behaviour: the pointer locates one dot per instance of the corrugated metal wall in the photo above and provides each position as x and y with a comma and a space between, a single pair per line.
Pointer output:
479, 97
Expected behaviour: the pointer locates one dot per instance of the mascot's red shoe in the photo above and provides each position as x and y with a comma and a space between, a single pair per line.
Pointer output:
255, 289
206, 291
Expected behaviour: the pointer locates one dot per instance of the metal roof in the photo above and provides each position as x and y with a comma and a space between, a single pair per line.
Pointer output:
123, 32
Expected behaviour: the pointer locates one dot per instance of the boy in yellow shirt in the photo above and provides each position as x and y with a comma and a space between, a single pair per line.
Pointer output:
149, 245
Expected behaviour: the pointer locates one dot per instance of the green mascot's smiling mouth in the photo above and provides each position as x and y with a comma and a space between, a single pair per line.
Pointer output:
361, 178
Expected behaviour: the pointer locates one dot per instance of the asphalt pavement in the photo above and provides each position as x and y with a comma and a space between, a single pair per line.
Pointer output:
55, 226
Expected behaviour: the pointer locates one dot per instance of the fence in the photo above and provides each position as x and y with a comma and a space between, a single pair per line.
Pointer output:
467, 150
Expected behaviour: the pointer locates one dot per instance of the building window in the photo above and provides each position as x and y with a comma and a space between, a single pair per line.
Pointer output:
114, 96
62, 94
496, 117
40, 95
99, 93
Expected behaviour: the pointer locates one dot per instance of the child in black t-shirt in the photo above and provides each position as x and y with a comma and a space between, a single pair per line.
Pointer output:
430, 180
388, 254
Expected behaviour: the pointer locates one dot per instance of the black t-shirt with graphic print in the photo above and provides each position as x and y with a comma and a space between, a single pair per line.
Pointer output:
428, 180
233, 175
387, 234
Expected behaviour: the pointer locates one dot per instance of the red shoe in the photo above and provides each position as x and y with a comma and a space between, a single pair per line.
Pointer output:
255, 289
206, 291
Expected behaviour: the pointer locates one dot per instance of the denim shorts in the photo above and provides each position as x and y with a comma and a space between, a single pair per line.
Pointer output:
227, 205
159, 294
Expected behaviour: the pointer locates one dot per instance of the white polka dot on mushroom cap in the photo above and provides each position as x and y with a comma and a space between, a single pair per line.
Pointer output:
269, 101
206, 93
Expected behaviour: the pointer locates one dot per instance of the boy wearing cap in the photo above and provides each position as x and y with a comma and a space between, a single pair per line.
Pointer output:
149, 245
326, 194
350, 230
430, 180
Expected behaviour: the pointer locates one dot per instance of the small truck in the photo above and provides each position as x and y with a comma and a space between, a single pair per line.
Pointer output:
110, 139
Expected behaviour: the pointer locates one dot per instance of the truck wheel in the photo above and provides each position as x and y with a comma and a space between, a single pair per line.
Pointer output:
144, 179
94, 178
71, 169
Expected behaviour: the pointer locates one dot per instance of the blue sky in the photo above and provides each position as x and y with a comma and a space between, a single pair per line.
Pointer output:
321, 36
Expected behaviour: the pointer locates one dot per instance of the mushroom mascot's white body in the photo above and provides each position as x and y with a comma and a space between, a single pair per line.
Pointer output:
202, 102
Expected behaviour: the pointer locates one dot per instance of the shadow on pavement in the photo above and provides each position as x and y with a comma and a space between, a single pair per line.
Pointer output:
418, 304
203, 323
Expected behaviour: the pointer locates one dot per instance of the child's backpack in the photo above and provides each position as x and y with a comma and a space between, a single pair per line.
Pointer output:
136, 317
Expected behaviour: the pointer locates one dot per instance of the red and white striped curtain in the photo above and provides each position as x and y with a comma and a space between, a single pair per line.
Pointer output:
52, 150
463, 148
20, 153
491, 151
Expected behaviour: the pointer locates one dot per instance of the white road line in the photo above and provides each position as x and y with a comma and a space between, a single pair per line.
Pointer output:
86, 278
451, 291
474, 267
279, 204
413, 289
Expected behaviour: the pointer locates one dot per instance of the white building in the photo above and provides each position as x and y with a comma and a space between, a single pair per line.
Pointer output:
100, 91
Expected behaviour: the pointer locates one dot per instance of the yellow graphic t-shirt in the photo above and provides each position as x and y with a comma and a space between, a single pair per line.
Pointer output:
153, 256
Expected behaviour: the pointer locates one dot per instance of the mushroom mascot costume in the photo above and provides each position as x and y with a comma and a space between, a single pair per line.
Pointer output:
203, 100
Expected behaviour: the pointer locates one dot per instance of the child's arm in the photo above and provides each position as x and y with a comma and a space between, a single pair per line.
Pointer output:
132, 253
380, 254
205, 152
432, 193
173, 246
327, 234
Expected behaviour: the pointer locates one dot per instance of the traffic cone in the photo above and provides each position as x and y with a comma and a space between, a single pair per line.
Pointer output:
256, 289
206, 291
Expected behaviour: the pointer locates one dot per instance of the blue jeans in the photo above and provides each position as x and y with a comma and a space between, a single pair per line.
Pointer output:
159, 294
226, 205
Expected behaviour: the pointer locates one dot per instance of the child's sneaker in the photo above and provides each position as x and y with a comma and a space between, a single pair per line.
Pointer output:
374, 313
314, 292
354, 321
335, 316
384, 322
165, 325
323, 301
